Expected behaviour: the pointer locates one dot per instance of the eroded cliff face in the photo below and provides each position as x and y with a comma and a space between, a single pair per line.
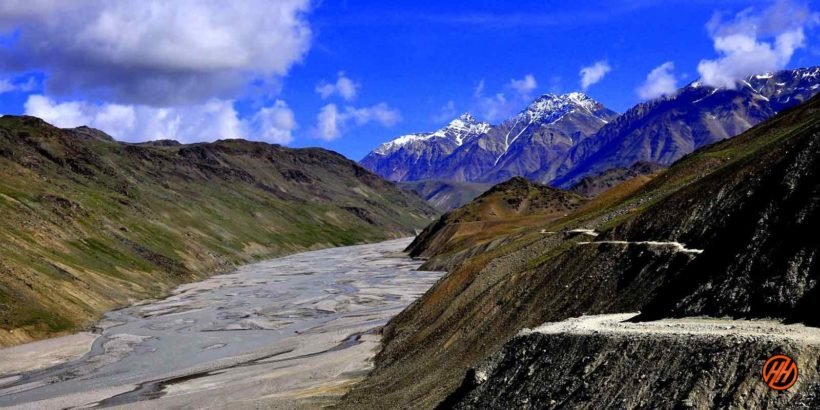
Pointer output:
724, 231
602, 362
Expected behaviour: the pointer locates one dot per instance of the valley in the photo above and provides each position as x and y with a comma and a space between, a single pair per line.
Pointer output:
292, 332
370, 205
90, 224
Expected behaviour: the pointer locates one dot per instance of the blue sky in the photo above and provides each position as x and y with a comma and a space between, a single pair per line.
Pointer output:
404, 66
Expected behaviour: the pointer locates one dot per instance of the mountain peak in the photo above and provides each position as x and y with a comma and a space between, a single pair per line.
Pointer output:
549, 108
456, 131
465, 123
466, 117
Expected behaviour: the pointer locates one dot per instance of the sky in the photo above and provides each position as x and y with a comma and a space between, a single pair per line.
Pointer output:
348, 75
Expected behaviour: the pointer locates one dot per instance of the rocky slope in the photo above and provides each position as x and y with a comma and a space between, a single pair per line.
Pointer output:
468, 150
593, 185
513, 203
445, 195
597, 361
90, 223
724, 231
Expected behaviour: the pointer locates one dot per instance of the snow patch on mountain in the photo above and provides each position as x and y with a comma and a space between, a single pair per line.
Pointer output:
550, 108
457, 131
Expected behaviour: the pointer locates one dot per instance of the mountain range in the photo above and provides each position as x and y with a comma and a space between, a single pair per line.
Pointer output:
560, 139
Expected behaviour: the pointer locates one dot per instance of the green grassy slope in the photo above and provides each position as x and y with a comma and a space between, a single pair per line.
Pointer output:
89, 224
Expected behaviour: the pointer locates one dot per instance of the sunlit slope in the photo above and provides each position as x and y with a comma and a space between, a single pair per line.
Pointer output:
89, 223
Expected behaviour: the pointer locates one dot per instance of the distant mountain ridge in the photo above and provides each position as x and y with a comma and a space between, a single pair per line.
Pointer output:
560, 139
470, 150
664, 130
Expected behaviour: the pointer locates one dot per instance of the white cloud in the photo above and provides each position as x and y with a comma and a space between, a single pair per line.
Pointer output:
344, 87
593, 73
7, 85
331, 122
525, 85
275, 123
499, 106
495, 107
154, 51
659, 82
446, 113
215, 119
754, 42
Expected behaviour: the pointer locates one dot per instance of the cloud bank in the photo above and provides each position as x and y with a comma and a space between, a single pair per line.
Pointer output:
154, 52
210, 121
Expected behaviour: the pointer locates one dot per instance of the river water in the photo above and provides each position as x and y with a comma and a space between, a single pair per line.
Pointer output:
290, 332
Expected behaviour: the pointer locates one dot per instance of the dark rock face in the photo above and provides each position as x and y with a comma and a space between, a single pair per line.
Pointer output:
757, 221
666, 371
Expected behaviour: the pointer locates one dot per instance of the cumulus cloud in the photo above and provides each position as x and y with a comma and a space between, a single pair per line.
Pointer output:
502, 104
274, 123
212, 120
593, 73
754, 41
659, 82
344, 87
154, 52
332, 122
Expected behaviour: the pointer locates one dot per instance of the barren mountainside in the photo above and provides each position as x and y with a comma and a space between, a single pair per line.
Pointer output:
724, 231
90, 224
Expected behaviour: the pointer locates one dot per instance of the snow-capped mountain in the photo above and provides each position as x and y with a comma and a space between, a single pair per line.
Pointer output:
664, 130
469, 150
412, 157
559, 139
541, 134
457, 131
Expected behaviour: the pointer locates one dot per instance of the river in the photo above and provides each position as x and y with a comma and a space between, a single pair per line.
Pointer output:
291, 332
